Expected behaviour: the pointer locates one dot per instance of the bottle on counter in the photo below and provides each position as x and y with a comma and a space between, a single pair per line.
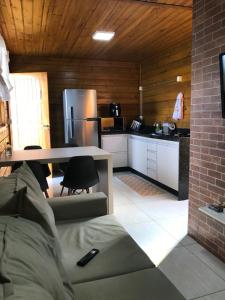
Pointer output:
8, 149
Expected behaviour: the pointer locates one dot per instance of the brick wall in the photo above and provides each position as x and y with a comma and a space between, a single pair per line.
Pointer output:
207, 166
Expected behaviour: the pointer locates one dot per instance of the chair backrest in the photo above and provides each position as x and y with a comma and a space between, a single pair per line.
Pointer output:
45, 167
81, 173
32, 147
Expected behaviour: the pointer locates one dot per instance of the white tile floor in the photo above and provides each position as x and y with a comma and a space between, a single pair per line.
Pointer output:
159, 225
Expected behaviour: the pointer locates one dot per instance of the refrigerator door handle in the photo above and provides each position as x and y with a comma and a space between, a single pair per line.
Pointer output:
72, 121
91, 119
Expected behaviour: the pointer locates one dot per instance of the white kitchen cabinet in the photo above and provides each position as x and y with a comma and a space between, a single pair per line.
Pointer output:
117, 145
168, 163
157, 159
137, 149
152, 159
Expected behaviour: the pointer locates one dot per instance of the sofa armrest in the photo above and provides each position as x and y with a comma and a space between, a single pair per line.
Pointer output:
79, 206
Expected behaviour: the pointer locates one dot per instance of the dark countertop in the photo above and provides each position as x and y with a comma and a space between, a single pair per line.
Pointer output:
175, 138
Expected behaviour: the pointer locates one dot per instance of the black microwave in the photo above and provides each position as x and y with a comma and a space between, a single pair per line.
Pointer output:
112, 124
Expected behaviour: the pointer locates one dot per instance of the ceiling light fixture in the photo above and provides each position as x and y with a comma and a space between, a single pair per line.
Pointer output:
103, 35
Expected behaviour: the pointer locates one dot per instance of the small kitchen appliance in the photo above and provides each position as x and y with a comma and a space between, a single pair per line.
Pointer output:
114, 109
168, 128
112, 124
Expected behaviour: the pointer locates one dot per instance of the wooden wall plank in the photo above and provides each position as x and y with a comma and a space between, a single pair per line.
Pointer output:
114, 81
160, 87
4, 134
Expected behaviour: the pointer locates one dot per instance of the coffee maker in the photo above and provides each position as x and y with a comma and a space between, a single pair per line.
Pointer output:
114, 109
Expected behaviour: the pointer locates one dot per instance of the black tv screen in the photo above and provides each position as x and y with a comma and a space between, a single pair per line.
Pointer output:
222, 81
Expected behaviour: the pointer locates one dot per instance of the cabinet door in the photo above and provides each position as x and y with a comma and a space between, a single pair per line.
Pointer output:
137, 150
114, 143
117, 145
168, 163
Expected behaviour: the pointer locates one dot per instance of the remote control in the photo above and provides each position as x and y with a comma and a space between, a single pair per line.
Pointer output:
84, 260
216, 207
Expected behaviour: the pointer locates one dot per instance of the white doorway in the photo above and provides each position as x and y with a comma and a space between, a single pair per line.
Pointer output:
29, 110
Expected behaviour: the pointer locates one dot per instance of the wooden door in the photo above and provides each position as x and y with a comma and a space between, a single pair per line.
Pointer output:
29, 110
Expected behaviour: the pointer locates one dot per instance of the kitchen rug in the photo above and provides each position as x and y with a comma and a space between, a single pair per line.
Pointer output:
140, 185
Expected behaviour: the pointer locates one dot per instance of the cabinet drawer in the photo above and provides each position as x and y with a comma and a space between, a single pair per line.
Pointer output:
152, 164
119, 159
152, 155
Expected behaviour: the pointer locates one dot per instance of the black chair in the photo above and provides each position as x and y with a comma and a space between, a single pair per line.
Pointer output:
81, 174
45, 167
40, 171
37, 170
63, 166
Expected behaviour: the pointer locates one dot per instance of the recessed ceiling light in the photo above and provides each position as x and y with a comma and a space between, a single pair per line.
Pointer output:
103, 35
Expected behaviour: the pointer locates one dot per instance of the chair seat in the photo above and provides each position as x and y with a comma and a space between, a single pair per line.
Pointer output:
81, 174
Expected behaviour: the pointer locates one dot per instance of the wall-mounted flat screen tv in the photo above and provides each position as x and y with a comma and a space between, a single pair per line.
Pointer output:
222, 81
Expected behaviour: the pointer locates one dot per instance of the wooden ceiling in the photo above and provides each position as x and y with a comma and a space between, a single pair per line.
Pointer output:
63, 28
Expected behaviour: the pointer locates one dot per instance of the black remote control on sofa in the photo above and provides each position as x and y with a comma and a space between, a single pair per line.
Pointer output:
84, 260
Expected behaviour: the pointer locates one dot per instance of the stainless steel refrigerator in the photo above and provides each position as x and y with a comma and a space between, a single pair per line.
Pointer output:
80, 117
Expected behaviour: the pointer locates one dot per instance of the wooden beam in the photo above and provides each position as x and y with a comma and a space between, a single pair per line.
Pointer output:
162, 5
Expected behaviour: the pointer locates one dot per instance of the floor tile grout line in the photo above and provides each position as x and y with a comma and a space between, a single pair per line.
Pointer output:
205, 263
207, 295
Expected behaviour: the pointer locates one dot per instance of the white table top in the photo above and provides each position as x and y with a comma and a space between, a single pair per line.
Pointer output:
53, 155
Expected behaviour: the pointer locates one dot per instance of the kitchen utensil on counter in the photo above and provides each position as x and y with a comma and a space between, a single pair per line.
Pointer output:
168, 128
158, 128
135, 125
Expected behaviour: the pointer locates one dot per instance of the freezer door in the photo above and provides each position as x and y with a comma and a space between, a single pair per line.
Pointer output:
83, 132
81, 104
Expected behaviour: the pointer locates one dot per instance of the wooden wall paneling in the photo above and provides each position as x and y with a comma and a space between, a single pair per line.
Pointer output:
160, 87
114, 81
4, 134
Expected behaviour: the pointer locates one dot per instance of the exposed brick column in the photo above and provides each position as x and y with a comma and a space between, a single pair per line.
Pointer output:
207, 164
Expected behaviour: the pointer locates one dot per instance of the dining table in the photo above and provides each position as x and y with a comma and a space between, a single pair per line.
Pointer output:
103, 160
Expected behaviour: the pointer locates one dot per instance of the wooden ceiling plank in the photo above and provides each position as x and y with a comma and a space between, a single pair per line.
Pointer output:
47, 9
151, 33
153, 30
36, 24
136, 14
88, 15
27, 15
17, 15
64, 28
3, 26
161, 4
97, 22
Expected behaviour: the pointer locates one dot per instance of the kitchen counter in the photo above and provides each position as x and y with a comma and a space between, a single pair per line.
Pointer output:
151, 135
164, 159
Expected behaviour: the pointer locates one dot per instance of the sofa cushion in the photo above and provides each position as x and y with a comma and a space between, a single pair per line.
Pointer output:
27, 258
145, 285
28, 292
119, 253
34, 205
9, 195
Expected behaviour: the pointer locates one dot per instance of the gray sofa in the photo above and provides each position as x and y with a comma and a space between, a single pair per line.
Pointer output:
41, 241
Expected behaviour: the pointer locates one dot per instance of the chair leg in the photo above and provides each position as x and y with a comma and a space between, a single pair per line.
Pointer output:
61, 191
46, 194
